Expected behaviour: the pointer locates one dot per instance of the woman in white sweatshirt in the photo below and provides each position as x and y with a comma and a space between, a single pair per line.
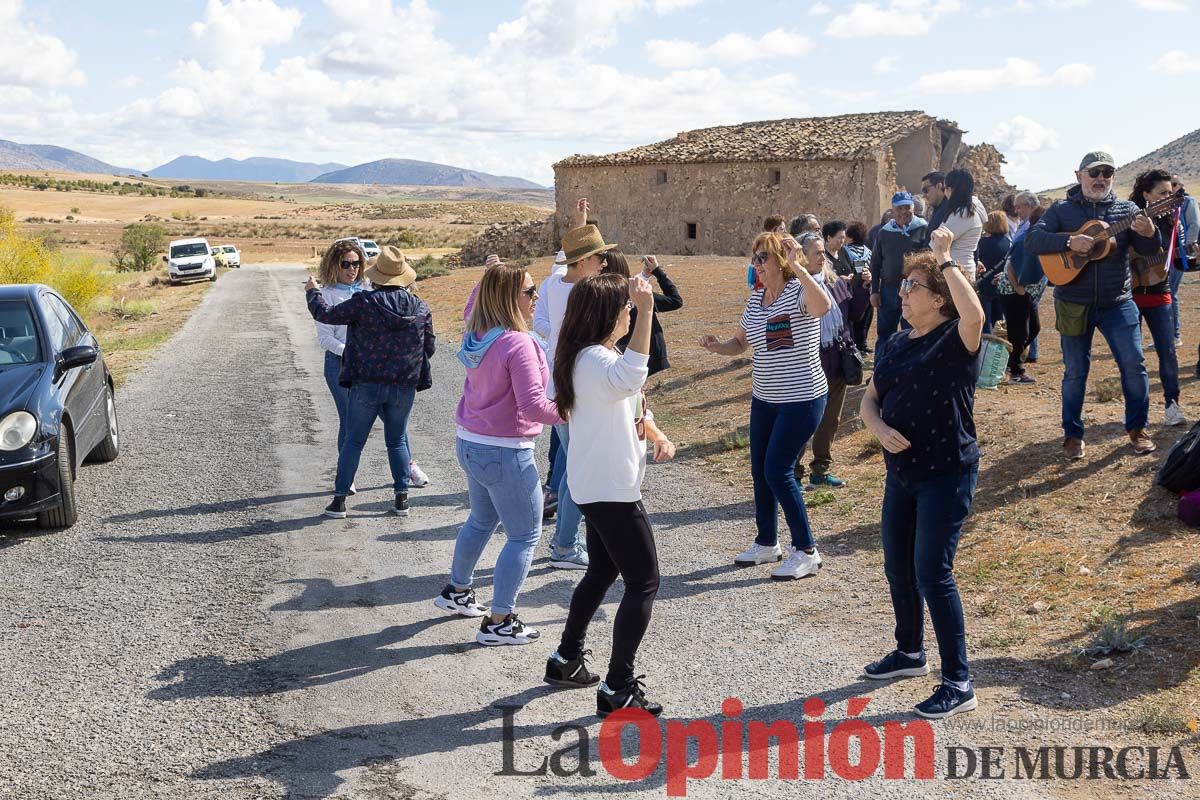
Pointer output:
965, 217
599, 392
340, 276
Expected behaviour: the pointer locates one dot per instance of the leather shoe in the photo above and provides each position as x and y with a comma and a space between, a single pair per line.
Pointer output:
1141, 442
1073, 448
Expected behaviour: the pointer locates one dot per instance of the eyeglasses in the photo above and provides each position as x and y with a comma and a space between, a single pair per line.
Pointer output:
531, 292
351, 264
629, 305
758, 259
1105, 172
908, 284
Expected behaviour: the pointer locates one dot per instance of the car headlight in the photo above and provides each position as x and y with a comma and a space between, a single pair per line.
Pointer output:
17, 430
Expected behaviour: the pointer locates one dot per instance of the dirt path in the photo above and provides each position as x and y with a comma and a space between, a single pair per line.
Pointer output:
203, 632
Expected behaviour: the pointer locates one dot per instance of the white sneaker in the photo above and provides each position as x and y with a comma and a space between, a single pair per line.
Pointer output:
1173, 415
798, 565
417, 479
759, 554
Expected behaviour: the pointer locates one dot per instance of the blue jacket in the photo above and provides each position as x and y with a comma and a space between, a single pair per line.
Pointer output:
389, 335
1103, 283
893, 244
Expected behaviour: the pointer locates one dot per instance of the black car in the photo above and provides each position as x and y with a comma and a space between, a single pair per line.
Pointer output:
57, 405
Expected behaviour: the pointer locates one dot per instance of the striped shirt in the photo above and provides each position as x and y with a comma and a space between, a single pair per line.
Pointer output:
787, 347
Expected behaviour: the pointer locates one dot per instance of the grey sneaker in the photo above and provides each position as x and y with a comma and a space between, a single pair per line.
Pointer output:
570, 559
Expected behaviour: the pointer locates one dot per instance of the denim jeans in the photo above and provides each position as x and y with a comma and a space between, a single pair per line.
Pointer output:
1160, 320
555, 474
1033, 345
1174, 279
778, 432
369, 401
993, 309
921, 524
566, 524
504, 486
1120, 328
341, 395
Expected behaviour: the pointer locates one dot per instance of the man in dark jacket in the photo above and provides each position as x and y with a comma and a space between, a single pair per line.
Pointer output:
1099, 297
669, 300
933, 189
902, 235
389, 340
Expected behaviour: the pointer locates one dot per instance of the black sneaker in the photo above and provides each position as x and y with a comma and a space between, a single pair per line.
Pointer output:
896, 665
571, 673
632, 695
400, 509
549, 506
509, 630
459, 602
336, 509
946, 701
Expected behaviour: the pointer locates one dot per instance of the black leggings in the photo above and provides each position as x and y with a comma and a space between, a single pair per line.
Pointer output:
1021, 318
620, 542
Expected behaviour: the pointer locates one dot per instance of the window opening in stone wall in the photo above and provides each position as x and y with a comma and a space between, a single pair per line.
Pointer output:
691, 230
774, 177
660, 176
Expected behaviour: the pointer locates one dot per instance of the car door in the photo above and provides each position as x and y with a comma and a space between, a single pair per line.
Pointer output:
83, 387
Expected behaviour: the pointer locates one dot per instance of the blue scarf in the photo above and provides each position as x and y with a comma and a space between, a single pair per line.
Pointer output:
831, 323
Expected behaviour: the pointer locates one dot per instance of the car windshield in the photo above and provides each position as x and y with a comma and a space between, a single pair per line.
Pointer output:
188, 250
367, 243
18, 334
229, 248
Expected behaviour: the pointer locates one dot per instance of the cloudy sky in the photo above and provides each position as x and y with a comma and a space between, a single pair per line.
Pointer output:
511, 86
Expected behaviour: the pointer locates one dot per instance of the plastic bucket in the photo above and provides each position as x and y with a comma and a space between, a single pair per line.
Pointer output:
995, 359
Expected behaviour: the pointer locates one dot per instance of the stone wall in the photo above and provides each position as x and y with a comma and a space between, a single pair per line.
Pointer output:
713, 209
511, 240
984, 162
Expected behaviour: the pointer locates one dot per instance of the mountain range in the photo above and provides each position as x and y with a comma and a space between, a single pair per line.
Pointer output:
1180, 157
264, 170
55, 159
406, 172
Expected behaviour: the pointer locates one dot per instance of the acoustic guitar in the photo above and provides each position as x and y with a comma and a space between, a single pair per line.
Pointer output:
1062, 268
1148, 271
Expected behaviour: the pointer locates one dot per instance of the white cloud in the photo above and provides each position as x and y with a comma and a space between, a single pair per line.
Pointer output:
235, 34
30, 58
1023, 135
885, 65
1016, 72
128, 82
819, 9
733, 48
1162, 5
896, 18
1177, 62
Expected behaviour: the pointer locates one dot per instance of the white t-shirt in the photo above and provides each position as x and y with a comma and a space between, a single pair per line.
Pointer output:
553, 297
607, 457
967, 230
787, 348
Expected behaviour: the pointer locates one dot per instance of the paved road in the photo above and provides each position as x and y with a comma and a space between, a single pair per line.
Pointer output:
203, 632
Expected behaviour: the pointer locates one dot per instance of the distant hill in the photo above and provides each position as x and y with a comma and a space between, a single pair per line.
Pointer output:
1181, 157
263, 170
406, 172
54, 158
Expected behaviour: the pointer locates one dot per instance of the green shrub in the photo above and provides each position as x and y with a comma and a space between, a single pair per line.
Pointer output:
139, 247
429, 267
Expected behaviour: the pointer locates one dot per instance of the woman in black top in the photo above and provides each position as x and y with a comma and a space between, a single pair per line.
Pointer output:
919, 405
669, 300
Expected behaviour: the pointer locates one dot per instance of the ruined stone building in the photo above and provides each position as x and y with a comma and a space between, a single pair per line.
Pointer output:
707, 191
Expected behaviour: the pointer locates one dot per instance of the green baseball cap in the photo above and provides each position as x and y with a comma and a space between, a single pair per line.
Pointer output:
1097, 158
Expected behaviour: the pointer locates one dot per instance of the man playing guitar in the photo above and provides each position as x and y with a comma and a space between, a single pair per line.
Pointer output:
1099, 297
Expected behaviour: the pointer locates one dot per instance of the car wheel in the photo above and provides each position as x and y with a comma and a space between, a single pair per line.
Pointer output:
65, 514
110, 446
212, 277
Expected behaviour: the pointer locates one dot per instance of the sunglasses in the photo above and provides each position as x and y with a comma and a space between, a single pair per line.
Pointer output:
758, 259
531, 292
351, 264
908, 284
1098, 172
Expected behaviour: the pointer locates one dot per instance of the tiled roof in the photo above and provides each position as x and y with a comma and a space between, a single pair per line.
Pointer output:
845, 137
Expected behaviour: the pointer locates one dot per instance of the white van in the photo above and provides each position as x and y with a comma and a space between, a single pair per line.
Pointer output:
190, 259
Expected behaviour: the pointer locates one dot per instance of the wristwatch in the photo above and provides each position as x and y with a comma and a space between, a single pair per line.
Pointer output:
947, 265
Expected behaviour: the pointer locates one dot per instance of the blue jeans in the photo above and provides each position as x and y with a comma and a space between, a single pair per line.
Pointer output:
889, 318
555, 473
1120, 328
1174, 278
921, 524
369, 401
993, 308
1033, 346
1160, 321
341, 395
566, 524
504, 486
778, 434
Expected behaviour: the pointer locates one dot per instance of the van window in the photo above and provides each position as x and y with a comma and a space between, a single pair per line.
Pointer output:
189, 250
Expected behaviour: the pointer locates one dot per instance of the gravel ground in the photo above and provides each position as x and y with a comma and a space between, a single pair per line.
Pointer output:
203, 632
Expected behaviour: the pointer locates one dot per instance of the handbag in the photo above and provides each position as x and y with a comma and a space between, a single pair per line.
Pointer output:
852, 363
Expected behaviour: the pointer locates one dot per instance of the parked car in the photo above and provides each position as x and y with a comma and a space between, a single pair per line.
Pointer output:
369, 247
231, 256
190, 259
57, 405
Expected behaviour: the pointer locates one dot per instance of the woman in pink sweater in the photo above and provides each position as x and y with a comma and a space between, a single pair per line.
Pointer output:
499, 417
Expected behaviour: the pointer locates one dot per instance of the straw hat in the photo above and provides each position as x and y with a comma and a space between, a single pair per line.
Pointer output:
579, 243
390, 268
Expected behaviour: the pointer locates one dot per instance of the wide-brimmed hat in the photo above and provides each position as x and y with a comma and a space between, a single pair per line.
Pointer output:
579, 243
390, 268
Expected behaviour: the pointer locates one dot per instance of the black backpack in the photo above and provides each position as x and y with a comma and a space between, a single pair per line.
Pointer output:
1180, 471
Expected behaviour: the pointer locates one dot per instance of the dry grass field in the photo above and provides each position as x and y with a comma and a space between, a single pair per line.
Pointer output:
1057, 555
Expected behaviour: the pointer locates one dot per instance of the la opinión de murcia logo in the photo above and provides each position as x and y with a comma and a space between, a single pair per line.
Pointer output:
739, 750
